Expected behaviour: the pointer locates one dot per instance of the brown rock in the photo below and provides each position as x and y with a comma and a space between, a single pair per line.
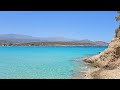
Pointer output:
117, 33
104, 59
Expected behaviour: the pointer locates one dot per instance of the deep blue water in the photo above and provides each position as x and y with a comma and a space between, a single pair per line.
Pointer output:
43, 62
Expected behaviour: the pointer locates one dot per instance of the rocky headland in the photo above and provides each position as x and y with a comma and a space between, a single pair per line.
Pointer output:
106, 65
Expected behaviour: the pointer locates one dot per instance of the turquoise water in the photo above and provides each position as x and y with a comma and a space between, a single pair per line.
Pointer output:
43, 62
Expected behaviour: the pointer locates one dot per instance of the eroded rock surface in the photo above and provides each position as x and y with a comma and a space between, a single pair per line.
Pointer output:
109, 59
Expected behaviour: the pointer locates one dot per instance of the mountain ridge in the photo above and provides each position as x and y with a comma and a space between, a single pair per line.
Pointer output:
19, 38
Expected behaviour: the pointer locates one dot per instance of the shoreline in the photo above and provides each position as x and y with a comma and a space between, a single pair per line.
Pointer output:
100, 73
107, 62
86, 74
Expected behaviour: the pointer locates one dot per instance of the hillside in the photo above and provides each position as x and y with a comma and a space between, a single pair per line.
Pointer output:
25, 40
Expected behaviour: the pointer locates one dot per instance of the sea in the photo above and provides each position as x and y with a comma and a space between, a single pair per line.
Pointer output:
44, 62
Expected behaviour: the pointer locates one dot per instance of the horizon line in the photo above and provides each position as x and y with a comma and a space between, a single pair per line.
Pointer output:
52, 37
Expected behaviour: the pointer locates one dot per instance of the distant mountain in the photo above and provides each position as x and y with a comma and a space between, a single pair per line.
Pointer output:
101, 43
5, 42
98, 43
26, 38
17, 38
86, 41
57, 39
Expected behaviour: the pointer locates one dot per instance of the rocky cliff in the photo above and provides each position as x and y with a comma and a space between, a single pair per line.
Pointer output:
107, 63
108, 60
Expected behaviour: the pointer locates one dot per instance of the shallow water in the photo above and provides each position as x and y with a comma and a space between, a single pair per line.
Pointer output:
43, 62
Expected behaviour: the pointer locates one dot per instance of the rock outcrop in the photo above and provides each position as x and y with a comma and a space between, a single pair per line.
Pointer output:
109, 59
108, 62
117, 33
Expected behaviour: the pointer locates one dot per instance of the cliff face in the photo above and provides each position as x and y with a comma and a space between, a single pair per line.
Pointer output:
117, 32
107, 61
110, 58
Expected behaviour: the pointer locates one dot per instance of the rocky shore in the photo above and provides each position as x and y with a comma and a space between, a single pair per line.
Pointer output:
107, 63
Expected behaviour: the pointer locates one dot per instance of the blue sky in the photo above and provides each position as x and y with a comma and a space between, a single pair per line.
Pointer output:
92, 25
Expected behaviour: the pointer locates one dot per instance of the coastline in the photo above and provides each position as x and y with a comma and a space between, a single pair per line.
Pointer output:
105, 65
86, 74
98, 73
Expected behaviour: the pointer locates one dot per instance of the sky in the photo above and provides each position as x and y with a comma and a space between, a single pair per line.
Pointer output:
92, 25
